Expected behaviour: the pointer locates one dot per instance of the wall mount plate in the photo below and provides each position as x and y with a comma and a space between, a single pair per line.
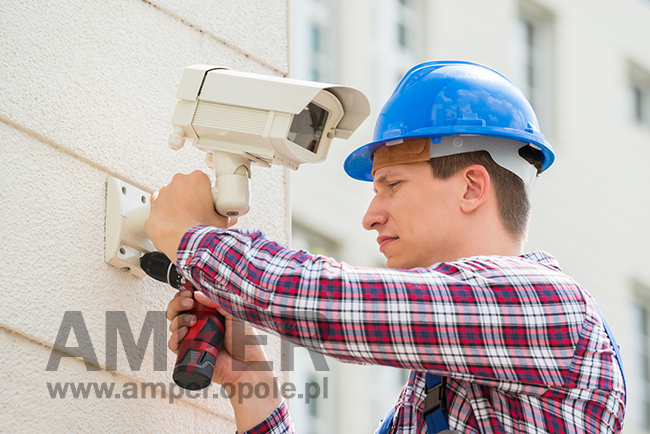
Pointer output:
127, 207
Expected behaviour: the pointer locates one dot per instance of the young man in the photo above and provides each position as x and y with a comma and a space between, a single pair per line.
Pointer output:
496, 340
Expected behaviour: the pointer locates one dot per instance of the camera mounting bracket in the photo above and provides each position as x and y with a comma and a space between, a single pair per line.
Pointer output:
127, 207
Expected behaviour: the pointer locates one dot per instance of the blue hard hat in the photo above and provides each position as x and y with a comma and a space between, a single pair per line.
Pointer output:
445, 98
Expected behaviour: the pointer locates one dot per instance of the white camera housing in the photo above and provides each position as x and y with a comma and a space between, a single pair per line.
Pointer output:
239, 118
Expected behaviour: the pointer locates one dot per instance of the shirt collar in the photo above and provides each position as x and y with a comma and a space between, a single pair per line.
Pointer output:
542, 258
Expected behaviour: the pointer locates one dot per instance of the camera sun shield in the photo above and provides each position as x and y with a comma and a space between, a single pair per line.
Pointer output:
271, 120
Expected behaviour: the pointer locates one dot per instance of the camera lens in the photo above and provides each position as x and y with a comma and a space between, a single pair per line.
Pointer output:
307, 127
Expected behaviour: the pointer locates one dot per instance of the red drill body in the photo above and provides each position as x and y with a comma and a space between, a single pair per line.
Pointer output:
199, 349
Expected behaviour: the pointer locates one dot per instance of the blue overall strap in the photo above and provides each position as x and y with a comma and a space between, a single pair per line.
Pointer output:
433, 414
386, 423
616, 350
433, 404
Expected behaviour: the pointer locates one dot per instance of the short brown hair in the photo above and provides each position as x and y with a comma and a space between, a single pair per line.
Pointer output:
512, 197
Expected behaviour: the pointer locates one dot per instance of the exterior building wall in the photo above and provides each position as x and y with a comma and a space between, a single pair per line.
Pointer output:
86, 92
589, 210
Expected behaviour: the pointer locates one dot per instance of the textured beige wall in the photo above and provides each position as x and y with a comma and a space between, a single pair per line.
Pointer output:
87, 91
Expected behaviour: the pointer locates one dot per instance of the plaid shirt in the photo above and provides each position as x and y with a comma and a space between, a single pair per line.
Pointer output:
521, 344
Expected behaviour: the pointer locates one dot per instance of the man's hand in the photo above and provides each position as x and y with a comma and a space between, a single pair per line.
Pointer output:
241, 359
241, 354
179, 206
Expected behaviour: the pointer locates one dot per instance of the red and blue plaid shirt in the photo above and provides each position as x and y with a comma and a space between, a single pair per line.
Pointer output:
521, 344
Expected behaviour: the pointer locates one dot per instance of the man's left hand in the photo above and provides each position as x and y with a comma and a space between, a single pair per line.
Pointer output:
179, 206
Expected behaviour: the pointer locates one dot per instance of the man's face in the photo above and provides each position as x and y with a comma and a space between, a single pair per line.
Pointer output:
415, 215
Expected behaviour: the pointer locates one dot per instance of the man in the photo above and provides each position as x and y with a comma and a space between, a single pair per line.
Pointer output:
496, 341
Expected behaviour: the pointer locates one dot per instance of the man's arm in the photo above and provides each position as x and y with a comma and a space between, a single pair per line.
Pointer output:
482, 319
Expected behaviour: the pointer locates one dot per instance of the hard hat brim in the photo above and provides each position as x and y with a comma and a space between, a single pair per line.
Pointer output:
358, 165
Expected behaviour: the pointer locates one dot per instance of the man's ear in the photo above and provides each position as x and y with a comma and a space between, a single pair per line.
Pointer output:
476, 180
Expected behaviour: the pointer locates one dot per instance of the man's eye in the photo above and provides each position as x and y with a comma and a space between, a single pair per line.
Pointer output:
393, 184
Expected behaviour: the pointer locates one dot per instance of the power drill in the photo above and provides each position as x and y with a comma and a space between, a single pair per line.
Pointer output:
199, 349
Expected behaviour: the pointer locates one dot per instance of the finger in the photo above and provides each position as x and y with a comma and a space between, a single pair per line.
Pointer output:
200, 178
182, 320
181, 303
176, 338
223, 312
205, 300
178, 177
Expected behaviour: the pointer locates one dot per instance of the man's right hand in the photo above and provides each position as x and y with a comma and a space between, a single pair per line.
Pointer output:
241, 359
179, 206
234, 361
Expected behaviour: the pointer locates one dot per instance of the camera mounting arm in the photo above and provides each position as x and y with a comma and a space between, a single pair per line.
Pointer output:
231, 192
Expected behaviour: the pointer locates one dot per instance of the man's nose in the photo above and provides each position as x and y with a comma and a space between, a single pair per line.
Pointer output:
375, 216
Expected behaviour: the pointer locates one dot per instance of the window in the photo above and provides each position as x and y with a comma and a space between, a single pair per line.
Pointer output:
529, 38
407, 31
637, 103
401, 35
315, 243
312, 416
639, 96
313, 40
533, 71
398, 36
641, 362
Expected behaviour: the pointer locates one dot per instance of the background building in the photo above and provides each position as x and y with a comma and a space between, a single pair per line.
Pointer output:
585, 67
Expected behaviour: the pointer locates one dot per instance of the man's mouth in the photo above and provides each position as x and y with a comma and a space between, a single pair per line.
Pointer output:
384, 240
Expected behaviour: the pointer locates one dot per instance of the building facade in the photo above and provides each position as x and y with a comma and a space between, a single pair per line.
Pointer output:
586, 70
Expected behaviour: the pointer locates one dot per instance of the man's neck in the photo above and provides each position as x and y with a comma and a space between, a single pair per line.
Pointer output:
493, 243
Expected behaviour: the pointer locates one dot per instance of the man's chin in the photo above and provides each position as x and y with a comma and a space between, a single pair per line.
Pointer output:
397, 263
401, 263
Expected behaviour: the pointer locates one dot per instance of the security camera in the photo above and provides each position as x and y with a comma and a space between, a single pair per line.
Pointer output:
240, 118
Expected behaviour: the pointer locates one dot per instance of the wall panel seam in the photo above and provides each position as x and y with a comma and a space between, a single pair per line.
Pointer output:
217, 38
45, 140
120, 376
